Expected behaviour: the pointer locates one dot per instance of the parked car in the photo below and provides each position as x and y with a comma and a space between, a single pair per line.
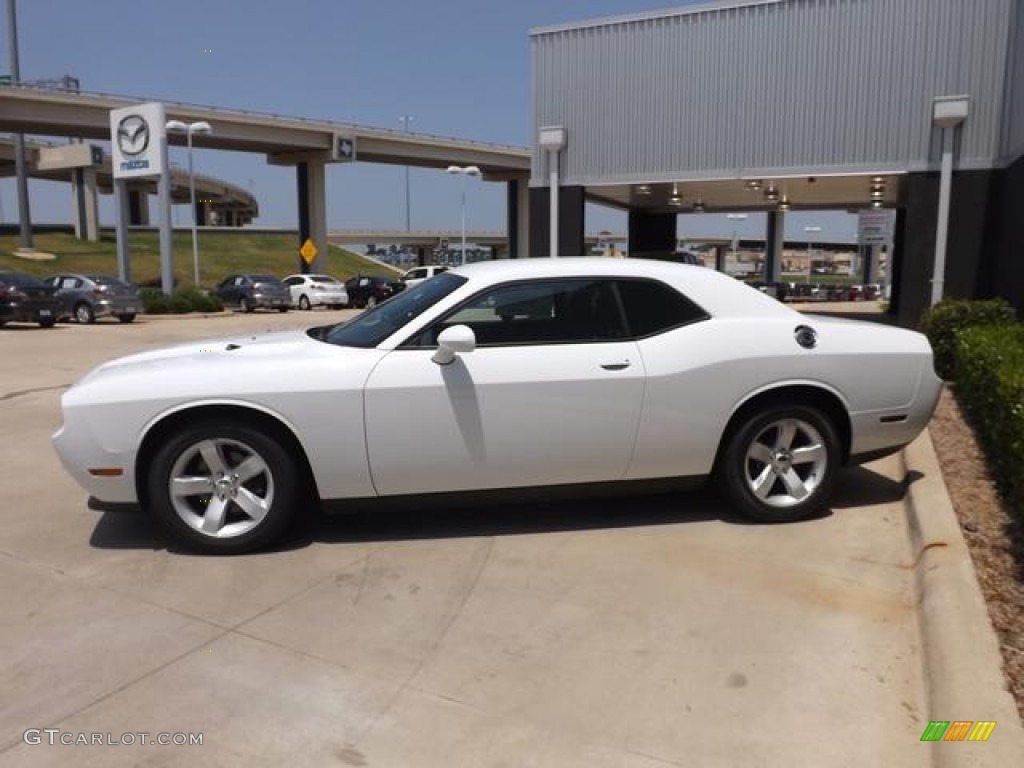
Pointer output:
86, 297
27, 299
419, 274
517, 374
371, 290
308, 291
872, 292
251, 292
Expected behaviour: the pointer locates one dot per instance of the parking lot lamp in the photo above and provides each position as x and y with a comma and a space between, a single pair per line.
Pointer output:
177, 126
465, 171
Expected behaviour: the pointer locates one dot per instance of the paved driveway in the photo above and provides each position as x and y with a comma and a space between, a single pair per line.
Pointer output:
634, 632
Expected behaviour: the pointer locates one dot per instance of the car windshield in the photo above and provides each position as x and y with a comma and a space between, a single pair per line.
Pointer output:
374, 325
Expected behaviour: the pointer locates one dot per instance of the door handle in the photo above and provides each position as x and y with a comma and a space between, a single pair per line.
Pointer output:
617, 365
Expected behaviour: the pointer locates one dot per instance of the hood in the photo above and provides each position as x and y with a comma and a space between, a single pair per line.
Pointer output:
284, 345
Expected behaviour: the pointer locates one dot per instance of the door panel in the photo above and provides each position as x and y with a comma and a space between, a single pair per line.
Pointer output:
503, 417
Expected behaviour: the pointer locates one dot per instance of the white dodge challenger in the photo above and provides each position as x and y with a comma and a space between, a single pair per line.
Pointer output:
560, 374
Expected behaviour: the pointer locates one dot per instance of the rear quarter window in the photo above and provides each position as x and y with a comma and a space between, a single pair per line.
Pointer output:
653, 307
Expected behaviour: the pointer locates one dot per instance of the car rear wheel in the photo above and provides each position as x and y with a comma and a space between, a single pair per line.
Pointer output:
304, 302
126, 318
223, 488
48, 322
780, 464
245, 306
84, 313
371, 302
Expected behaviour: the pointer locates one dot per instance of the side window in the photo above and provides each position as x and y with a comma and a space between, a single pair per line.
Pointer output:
364, 282
292, 280
416, 274
240, 280
653, 307
542, 312
439, 270
68, 283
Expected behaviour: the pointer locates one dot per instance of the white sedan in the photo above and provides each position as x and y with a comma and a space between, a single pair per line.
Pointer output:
565, 374
309, 291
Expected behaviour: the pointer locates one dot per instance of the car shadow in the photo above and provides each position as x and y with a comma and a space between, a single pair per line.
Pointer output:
857, 487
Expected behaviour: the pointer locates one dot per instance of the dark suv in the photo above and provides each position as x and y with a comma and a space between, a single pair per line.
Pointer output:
370, 290
27, 299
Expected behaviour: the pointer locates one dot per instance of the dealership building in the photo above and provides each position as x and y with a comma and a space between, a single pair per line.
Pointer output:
913, 106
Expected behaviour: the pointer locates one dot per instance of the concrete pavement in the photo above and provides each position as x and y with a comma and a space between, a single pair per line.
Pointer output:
642, 632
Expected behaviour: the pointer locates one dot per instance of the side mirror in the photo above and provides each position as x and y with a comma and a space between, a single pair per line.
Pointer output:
457, 340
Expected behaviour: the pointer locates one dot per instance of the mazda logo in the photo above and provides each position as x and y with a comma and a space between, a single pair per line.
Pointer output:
132, 135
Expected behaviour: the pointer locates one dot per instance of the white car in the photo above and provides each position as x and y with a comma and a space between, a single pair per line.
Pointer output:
310, 291
419, 274
497, 376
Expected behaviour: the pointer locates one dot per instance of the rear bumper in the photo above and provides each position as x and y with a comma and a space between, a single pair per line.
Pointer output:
117, 306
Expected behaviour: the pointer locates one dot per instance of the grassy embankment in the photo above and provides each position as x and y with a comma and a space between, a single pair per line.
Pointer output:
220, 254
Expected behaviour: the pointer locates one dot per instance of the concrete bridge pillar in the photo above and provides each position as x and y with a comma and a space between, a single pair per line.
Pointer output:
311, 177
86, 201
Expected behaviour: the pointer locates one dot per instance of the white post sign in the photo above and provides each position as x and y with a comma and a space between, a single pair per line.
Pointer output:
136, 140
874, 227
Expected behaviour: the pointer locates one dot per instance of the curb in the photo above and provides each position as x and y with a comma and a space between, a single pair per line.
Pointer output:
962, 664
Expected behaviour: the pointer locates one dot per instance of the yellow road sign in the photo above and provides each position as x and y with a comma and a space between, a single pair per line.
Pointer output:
308, 251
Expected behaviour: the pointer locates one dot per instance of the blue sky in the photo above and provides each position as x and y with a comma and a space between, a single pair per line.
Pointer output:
459, 67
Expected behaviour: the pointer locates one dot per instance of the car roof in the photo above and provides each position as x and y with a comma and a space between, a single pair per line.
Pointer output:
717, 293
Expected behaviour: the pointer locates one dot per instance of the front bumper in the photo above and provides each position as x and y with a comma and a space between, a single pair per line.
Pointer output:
79, 451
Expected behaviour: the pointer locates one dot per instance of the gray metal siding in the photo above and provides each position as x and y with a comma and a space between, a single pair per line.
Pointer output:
829, 85
1013, 131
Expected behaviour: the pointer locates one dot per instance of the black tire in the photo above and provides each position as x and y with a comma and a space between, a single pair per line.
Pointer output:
126, 318
48, 322
304, 303
758, 450
84, 314
277, 481
371, 302
245, 306
282, 310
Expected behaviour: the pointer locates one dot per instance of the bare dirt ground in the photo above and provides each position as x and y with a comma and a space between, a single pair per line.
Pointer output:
996, 543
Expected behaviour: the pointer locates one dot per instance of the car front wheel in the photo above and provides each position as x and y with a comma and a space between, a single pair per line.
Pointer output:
126, 318
780, 464
223, 488
304, 302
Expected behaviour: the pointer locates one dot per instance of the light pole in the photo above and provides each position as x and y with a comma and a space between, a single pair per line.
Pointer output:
811, 231
177, 126
406, 119
735, 217
464, 171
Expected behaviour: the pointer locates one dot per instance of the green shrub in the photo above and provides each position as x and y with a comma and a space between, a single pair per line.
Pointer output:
945, 320
183, 300
990, 386
179, 305
153, 301
204, 303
